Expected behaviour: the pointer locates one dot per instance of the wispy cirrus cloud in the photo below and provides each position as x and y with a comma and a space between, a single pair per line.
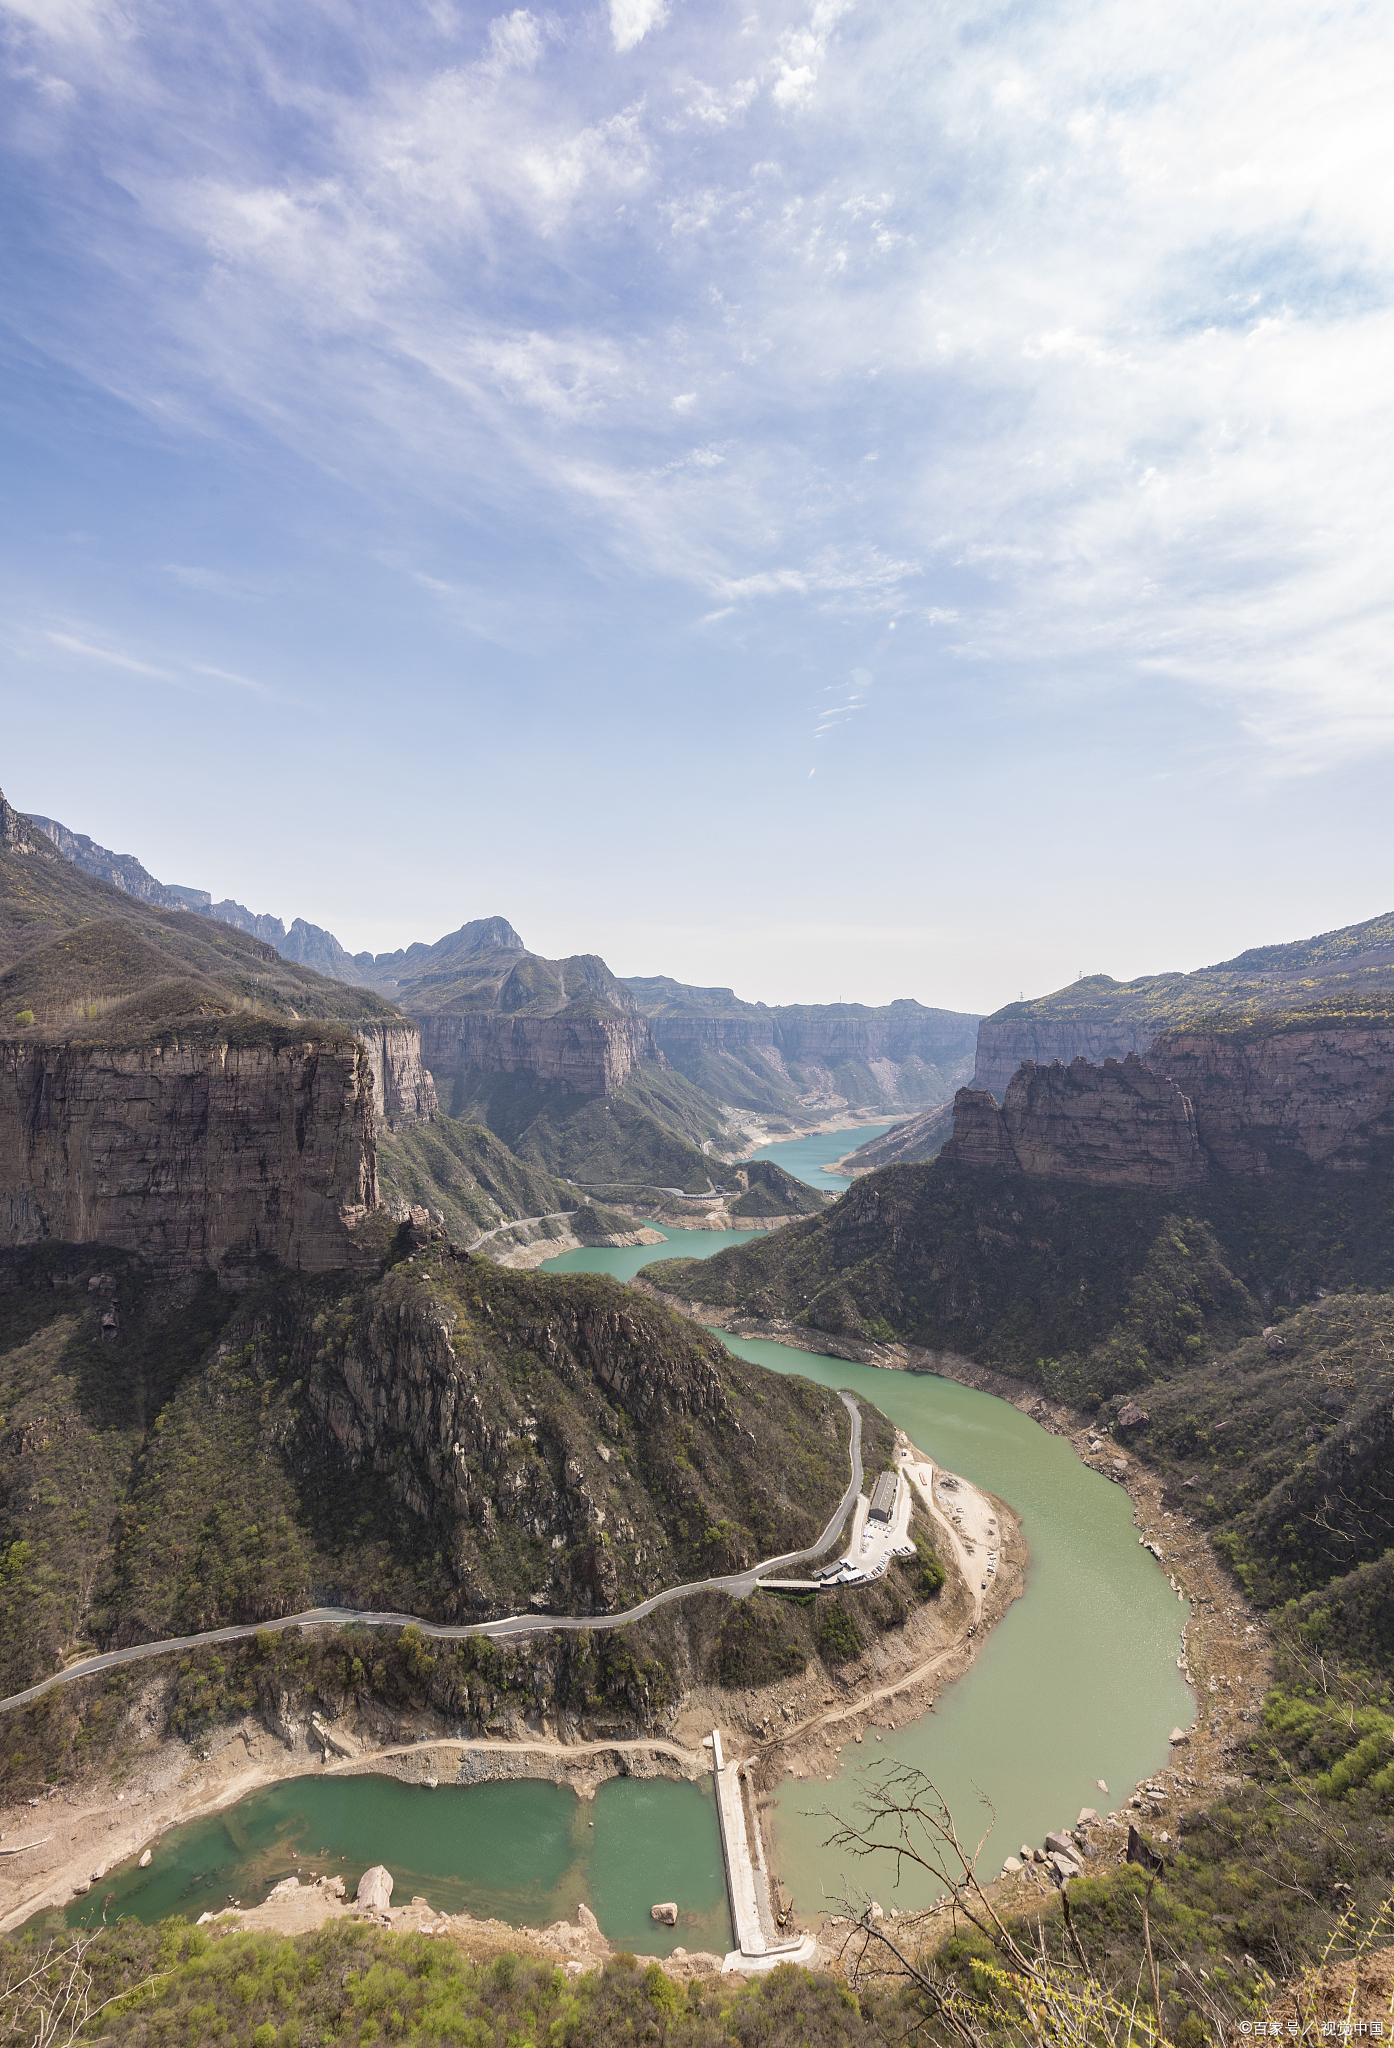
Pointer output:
1112, 311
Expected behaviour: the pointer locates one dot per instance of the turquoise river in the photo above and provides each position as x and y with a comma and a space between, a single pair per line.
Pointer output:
1078, 1683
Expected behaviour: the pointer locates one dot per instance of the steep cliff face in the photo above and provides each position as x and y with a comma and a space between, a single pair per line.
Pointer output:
1118, 1125
1240, 1102
194, 1152
901, 1054
586, 1052
1264, 1101
403, 1090
1006, 1042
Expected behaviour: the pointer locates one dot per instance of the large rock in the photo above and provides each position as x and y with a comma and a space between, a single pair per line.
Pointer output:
666, 1915
1060, 1842
1119, 1125
1130, 1416
374, 1893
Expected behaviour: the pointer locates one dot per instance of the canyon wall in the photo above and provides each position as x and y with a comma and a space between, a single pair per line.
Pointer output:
587, 1054
1324, 1095
1240, 1103
1118, 1125
403, 1090
1005, 1042
195, 1152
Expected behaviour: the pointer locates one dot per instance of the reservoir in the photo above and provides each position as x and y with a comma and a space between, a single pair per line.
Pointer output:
1077, 1683
806, 1158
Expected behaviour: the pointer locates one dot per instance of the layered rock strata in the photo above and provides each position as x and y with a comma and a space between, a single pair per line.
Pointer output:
589, 1055
403, 1090
1245, 1104
195, 1153
1119, 1125
1325, 1095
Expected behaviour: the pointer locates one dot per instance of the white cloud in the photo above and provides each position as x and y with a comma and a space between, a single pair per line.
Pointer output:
1114, 305
631, 20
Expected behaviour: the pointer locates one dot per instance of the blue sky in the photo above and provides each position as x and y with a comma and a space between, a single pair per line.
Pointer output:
844, 500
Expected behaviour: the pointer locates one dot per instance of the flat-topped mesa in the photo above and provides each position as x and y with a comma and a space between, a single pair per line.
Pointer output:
1118, 1125
193, 1151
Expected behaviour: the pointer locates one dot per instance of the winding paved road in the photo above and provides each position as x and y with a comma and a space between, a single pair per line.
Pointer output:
739, 1584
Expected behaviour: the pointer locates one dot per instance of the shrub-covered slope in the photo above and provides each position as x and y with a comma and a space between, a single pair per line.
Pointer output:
646, 1133
83, 958
770, 1191
1012, 1270
471, 1182
449, 1439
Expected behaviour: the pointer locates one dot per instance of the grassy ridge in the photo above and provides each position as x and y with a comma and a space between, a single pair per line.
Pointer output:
89, 961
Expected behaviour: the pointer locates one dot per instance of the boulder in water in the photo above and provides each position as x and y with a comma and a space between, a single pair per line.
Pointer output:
666, 1915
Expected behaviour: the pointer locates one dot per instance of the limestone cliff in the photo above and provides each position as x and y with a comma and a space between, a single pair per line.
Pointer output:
403, 1090
585, 1050
193, 1151
1243, 1101
1268, 1098
1118, 1125
900, 1055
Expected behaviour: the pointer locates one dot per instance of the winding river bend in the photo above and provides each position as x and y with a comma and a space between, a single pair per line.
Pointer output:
1078, 1682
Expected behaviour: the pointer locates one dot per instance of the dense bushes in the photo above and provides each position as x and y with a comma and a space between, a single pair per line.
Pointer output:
350, 1982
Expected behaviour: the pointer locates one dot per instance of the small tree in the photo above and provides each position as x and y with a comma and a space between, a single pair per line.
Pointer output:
1021, 1991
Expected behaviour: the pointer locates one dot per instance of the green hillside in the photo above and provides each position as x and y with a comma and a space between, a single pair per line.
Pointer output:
212, 1488
648, 1132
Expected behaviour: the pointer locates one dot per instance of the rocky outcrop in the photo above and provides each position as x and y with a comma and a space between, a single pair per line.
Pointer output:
1119, 1125
122, 870
587, 1053
192, 1153
403, 1090
1269, 1099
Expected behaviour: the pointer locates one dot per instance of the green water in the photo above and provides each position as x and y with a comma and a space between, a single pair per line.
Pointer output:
805, 1157
1079, 1682
520, 1852
624, 1264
